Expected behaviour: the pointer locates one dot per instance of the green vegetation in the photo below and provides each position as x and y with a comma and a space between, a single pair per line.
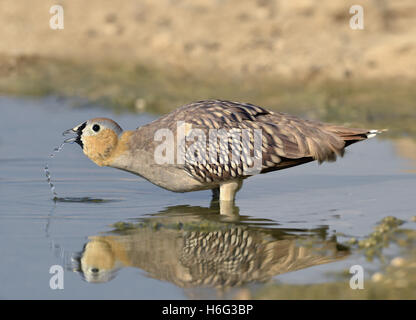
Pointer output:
396, 278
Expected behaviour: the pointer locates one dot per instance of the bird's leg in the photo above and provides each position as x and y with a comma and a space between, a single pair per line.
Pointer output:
227, 196
229, 189
215, 194
230, 210
215, 198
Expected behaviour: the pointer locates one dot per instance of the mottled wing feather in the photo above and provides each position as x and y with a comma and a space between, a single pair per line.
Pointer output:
286, 140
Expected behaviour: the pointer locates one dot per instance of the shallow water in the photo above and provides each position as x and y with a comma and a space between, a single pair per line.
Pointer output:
139, 241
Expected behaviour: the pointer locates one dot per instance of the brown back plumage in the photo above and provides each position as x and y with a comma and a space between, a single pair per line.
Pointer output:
287, 140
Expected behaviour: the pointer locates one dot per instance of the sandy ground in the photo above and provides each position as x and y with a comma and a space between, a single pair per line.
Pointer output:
286, 39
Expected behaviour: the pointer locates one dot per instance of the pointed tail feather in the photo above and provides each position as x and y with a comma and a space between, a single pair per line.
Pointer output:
373, 133
352, 135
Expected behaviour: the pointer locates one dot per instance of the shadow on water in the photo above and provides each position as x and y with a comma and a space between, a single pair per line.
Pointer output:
83, 200
196, 247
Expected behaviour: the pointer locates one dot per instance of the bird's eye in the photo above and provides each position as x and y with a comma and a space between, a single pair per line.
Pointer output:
96, 127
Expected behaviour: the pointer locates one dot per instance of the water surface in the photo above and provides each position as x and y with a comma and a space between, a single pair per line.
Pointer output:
118, 236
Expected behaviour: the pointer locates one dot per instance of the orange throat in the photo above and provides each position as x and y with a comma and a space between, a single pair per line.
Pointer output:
102, 149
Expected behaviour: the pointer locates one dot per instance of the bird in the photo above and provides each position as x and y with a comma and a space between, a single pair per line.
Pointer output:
183, 245
213, 144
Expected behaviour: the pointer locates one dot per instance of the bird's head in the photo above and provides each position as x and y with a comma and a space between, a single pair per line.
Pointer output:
98, 138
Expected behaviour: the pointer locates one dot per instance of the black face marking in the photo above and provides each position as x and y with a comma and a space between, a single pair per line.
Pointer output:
96, 127
79, 133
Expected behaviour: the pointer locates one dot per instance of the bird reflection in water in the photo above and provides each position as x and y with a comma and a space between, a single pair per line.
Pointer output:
192, 247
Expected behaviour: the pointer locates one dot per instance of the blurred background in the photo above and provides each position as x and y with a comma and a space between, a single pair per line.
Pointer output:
135, 60
291, 40
296, 56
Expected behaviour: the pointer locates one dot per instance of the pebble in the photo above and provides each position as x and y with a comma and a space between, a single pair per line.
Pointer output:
398, 262
377, 277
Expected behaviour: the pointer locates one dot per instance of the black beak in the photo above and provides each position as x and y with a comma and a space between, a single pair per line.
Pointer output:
78, 131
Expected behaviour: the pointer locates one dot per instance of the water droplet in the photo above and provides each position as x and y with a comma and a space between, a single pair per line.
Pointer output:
48, 173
